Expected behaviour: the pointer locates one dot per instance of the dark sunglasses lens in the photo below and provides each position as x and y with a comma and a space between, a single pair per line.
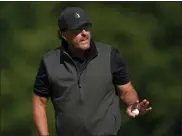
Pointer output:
85, 27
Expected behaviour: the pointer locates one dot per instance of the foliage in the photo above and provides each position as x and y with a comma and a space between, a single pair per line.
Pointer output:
146, 33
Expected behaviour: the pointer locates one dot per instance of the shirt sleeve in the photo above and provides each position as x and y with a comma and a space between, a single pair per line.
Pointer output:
118, 68
41, 84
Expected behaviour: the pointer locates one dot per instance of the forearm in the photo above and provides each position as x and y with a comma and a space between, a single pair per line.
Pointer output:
128, 94
39, 117
130, 97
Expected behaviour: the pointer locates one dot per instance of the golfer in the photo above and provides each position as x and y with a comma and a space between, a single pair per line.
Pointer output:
85, 81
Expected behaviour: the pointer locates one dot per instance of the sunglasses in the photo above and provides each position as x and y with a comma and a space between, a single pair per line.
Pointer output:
85, 27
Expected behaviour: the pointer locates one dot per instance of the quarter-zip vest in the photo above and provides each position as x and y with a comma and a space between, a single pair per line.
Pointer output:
85, 103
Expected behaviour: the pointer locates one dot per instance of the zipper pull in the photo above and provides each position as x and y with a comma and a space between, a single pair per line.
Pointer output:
79, 85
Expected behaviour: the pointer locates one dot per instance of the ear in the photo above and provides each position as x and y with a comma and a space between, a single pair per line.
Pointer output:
63, 35
59, 34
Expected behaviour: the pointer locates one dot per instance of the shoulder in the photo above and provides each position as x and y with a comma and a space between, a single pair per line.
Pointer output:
113, 51
101, 47
52, 53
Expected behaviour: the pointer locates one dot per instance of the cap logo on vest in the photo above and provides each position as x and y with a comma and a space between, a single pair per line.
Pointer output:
77, 15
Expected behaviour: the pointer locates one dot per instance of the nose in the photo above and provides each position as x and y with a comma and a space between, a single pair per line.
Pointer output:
84, 32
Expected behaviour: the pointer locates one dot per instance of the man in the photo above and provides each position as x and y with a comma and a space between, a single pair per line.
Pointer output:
85, 81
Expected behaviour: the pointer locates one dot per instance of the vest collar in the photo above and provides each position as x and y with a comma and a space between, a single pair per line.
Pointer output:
90, 53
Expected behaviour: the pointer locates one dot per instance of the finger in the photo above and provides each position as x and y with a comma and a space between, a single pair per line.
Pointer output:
129, 112
135, 105
144, 111
143, 104
148, 109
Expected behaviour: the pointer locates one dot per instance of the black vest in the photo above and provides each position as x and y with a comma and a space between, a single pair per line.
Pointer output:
86, 103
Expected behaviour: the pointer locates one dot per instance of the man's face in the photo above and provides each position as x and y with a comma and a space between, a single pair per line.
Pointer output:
79, 38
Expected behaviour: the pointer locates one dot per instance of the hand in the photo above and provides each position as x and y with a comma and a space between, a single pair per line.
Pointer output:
143, 108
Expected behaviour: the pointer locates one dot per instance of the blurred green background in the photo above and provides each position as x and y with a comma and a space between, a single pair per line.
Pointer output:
148, 35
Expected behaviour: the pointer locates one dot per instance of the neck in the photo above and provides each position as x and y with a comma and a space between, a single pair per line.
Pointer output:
78, 53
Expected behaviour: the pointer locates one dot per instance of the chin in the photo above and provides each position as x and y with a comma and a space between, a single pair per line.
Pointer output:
85, 46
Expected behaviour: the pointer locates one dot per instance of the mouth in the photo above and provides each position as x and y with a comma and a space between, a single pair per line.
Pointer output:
84, 41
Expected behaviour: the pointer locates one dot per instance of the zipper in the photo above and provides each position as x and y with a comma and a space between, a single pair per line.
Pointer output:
79, 73
79, 87
78, 82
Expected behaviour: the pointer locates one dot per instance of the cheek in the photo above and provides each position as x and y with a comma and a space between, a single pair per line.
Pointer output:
76, 40
89, 34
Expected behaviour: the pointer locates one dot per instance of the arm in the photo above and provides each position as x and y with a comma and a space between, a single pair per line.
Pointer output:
39, 101
39, 114
127, 94
121, 80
